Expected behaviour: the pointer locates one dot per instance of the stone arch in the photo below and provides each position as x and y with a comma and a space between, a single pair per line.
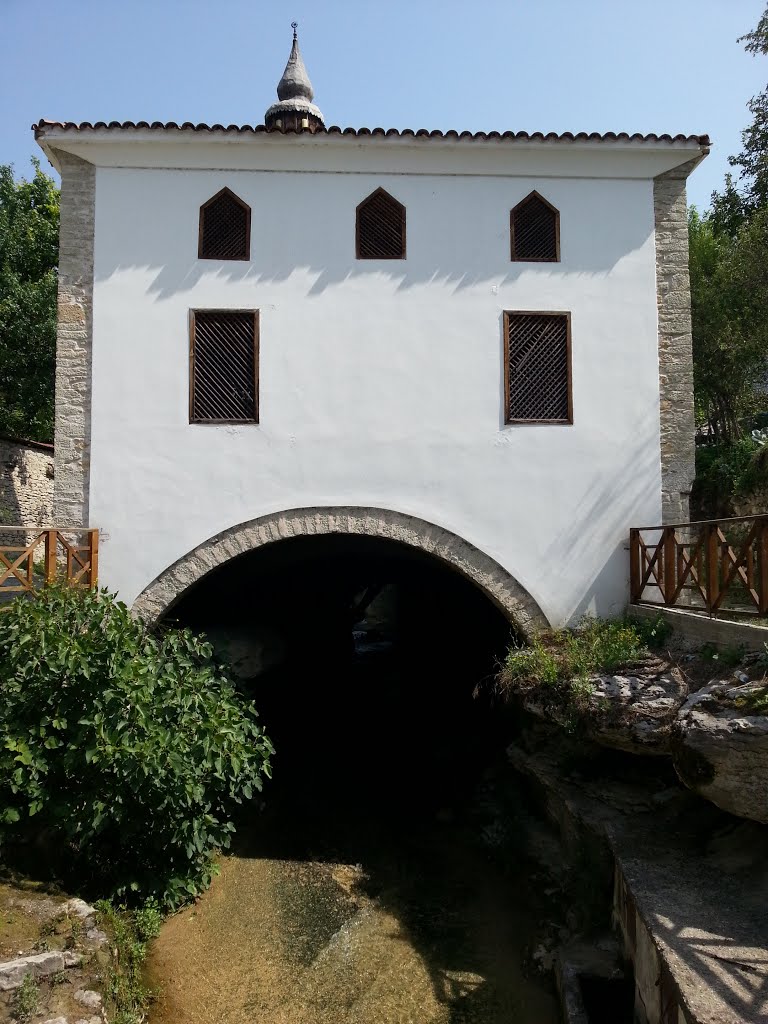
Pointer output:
491, 578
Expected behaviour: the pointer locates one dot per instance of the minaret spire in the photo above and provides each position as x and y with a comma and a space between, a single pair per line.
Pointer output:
294, 110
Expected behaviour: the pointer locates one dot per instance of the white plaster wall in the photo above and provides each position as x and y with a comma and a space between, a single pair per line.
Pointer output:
381, 382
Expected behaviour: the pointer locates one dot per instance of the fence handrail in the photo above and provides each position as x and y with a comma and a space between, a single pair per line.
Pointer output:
703, 522
45, 529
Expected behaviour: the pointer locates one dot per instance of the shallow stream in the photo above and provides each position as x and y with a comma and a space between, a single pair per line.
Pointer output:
415, 926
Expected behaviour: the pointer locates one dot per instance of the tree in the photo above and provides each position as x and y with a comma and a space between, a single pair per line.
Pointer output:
729, 295
732, 208
729, 281
29, 237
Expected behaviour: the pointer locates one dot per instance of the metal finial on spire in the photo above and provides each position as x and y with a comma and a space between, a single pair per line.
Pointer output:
295, 26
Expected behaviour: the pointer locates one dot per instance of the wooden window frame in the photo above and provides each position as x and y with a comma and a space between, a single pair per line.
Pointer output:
403, 226
246, 207
514, 421
256, 339
536, 259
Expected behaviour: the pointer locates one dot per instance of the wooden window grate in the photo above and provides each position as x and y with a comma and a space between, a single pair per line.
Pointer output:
380, 228
225, 228
535, 231
537, 363
224, 363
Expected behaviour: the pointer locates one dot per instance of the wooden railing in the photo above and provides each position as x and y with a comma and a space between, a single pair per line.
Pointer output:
44, 556
717, 566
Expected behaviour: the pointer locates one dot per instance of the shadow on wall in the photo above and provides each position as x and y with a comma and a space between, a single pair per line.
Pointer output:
459, 253
598, 515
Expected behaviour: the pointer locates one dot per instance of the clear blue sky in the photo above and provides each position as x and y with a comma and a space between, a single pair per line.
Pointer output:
549, 65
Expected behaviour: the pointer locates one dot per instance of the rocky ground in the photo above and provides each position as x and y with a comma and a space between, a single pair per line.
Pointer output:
705, 710
53, 957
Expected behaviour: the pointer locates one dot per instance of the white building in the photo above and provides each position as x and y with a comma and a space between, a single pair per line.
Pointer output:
476, 344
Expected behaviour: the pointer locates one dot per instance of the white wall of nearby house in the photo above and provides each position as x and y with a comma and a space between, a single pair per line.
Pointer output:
381, 382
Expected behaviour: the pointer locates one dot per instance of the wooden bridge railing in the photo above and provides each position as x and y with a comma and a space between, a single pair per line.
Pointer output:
717, 565
43, 556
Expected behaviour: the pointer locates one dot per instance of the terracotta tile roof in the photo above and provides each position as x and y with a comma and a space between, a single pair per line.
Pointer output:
420, 133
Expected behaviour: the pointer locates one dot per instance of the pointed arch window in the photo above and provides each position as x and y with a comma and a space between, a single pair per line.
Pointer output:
225, 228
535, 231
380, 228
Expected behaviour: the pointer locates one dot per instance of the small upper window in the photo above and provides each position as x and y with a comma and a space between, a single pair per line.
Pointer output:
225, 228
380, 228
535, 229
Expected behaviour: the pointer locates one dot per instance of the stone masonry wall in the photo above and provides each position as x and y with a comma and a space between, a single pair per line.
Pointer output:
673, 294
26, 487
74, 340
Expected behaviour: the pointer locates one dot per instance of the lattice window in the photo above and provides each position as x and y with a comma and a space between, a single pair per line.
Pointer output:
224, 366
225, 228
537, 363
380, 228
535, 230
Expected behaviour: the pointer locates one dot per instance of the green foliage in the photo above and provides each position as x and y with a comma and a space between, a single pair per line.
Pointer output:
754, 703
729, 280
556, 666
29, 235
732, 208
725, 471
729, 294
130, 932
26, 1001
133, 746
652, 633
726, 657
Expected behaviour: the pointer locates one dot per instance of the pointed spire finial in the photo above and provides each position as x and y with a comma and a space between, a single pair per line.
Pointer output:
295, 108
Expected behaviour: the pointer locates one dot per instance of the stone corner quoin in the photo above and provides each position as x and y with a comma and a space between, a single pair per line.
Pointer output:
74, 341
673, 294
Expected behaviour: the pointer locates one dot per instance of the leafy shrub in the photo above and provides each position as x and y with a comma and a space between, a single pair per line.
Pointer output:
556, 666
134, 746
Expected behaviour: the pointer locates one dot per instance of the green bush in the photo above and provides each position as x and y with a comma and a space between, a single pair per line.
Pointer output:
133, 746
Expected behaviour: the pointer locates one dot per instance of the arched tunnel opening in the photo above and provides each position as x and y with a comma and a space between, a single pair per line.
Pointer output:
371, 664
369, 884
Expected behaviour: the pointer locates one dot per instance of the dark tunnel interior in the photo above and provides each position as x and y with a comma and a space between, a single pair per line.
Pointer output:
371, 664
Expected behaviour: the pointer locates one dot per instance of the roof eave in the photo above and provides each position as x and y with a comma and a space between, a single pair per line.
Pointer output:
144, 131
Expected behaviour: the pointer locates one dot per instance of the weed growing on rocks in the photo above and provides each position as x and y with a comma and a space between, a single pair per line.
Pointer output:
555, 668
130, 933
27, 1000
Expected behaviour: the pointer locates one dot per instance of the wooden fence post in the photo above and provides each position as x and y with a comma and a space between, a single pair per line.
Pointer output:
762, 568
51, 544
635, 573
713, 566
670, 564
93, 552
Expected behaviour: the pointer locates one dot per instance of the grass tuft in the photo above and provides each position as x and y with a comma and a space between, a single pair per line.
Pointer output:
26, 1002
556, 666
